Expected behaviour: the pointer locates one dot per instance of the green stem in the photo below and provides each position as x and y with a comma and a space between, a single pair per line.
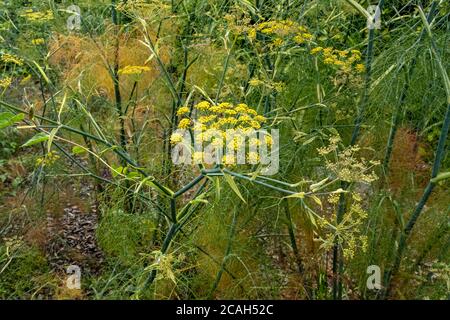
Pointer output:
189, 186
165, 246
115, 77
258, 182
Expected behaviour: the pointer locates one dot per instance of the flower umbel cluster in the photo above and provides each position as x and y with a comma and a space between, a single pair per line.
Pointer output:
12, 59
346, 165
5, 82
143, 7
38, 41
268, 84
38, 16
346, 61
49, 159
223, 126
221, 116
276, 33
132, 70
281, 31
348, 234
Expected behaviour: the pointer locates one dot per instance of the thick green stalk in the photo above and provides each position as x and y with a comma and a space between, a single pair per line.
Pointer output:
189, 186
178, 222
170, 83
115, 77
175, 227
165, 246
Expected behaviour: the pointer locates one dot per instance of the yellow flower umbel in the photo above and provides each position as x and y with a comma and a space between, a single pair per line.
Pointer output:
214, 119
176, 138
346, 165
182, 111
9, 58
197, 157
229, 160
49, 159
280, 32
5, 82
202, 106
360, 68
38, 16
253, 157
268, 84
133, 70
255, 82
349, 233
316, 50
38, 41
345, 61
184, 124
